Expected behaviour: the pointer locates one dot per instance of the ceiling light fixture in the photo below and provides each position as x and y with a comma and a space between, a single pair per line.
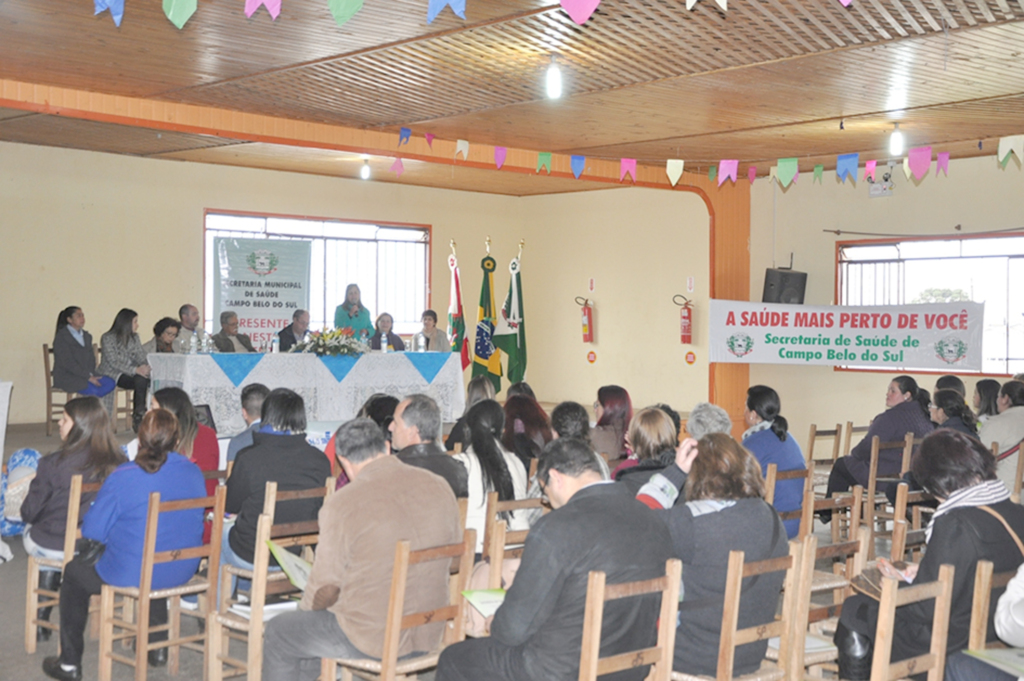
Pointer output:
364, 172
896, 142
553, 80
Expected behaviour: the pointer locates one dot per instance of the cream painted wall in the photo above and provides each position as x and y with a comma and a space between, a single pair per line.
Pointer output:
977, 195
104, 231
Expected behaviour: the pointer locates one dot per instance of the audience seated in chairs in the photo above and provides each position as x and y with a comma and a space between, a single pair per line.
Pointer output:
117, 520
613, 410
986, 398
124, 360
74, 361
652, 437
478, 389
527, 428
252, 406
415, 432
706, 418
342, 614
1006, 428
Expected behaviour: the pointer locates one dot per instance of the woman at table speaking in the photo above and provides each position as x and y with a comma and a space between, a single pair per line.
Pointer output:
353, 315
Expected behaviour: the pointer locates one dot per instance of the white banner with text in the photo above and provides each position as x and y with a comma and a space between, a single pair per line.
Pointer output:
941, 336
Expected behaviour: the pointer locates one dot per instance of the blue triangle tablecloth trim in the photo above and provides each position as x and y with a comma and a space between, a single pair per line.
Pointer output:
236, 366
339, 366
428, 363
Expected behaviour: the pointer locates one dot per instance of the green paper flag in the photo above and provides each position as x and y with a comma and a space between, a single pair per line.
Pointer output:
1006, 159
510, 330
818, 170
712, 173
787, 169
180, 11
544, 160
343, 10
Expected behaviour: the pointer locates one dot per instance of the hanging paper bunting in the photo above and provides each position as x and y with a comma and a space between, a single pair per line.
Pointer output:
462, 147
819, 171
1006, 144
499, 156
430, 140
797, 175
403, 136
845, 3
752, 174
727, 169
846, 165
906, 167
627, 165
788, 170
577, 163
869, 170
397, 168
712, 173
674, 170
919, 159
721, 3
343, 10
773, 173
942, 163
179, 11
544, 159
273, 7
1004, 162
580, 10
116, 8
434, 8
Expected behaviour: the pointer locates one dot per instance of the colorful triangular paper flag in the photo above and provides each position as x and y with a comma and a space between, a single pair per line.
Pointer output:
577, 163
819, 171
273, 7
343, 10
499, 156
674, 170
627, 166
942, 163
712, 173
919, 160
727, 169
752, 174
1006, 145
462, 147
906, 167
544, 159
397, 167
869, 170
403, 136
116, 8
788, 170
721, 3
179, 11
580, 10
434, 8
430, 139
846, 166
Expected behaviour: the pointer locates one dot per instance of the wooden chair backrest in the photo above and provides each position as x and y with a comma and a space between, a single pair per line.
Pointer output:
934, 660
806, 511
906, 538
1018, 478
984, 583
850, 502
72, 531
836, 435
904, 498
491, 520
532, 473
848, 437
271, 497
48, 369
660, 655
848, 559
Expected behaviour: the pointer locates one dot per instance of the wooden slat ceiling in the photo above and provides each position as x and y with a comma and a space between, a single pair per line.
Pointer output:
644, 79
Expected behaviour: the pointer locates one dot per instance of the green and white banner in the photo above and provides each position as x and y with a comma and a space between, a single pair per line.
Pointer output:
943, 336
263, 280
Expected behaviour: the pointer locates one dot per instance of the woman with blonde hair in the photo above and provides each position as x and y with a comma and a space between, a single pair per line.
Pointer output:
652, 437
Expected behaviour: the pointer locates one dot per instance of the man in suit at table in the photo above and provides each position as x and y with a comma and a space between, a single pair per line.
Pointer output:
228, 339
294, 332
252, 406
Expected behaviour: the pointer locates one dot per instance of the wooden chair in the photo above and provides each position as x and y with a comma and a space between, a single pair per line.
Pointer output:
845, 509
984, 584
493, 511
874, 502
848, 436
821, 477
782, 627
120, 410
54, 409
35, 597
907, 539
848, 560
660, 655
113, 628
807, 613
452, 614
1018, 477
934, 660
806, 511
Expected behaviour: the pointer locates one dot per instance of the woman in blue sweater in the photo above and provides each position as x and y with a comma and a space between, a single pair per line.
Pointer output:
117, 519
768, 440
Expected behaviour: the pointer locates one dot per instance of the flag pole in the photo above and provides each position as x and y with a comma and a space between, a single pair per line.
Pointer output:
522, 242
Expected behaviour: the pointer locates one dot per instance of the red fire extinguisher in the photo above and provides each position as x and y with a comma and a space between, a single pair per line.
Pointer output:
587, 318
685, 319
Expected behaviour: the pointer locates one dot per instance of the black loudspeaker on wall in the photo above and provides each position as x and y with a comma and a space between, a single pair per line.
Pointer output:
784, 286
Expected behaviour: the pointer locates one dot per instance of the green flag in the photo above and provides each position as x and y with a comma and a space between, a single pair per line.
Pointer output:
486, 357
510, 330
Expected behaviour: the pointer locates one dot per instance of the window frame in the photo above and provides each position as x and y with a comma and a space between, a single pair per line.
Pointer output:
881, 241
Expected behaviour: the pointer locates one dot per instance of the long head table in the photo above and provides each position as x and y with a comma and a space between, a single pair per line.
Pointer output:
334, 388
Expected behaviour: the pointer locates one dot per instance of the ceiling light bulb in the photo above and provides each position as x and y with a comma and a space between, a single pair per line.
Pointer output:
364, 172
896, 142
554, 80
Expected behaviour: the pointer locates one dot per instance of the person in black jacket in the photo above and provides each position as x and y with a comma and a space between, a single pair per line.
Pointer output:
280, 453
74, 362
294, 332
415, 431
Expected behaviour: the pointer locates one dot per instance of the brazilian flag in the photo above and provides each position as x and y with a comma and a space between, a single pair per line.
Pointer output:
486, 357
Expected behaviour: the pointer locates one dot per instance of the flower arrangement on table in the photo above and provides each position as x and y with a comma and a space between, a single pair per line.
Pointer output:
332, 343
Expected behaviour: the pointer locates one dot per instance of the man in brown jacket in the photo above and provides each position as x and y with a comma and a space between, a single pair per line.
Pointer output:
343, 610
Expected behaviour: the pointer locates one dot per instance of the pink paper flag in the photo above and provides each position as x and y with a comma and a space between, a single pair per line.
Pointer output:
869, 170
273, 6
397, 168
942, 163
752, 174
920, 160
846, 3
727, 169
627, 165
430, 140
580, 10
499, 156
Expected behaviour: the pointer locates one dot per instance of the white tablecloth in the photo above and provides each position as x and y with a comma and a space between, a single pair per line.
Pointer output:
327, 398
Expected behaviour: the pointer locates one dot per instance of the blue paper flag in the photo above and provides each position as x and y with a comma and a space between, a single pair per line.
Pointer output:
339, 366
577, 163
116, 8
434, 8
846, 164
236, 366
428, 363
403, 136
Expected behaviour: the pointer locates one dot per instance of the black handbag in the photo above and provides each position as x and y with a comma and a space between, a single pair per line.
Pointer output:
88, 551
